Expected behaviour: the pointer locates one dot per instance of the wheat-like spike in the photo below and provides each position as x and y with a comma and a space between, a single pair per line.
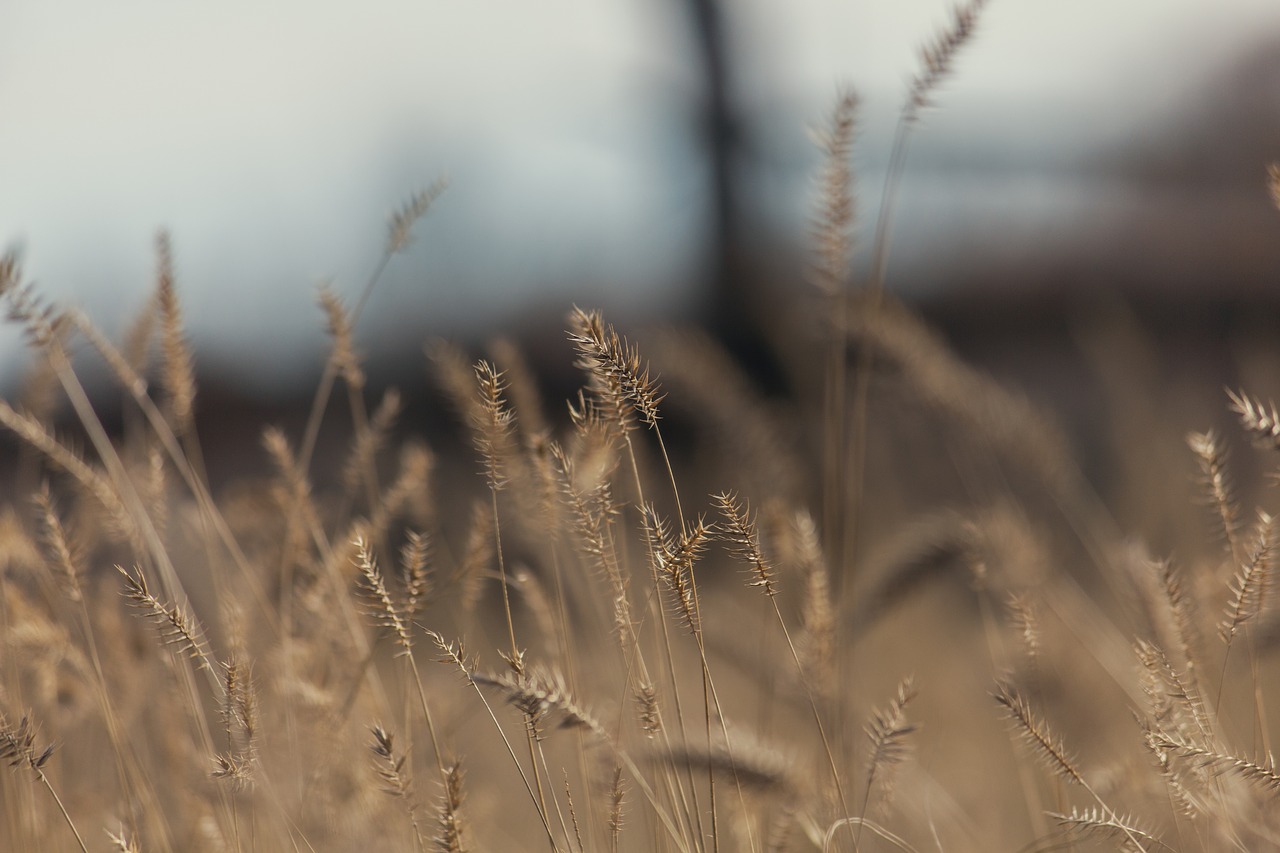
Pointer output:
674, 560
412, 494
64, 558
753, 765
1026, 623
236, 770
400, 228
689, 549
454, 654
369, 442
42, 324
537, 692
1185, 801
389, 767
415, 569
18, 744
395, 778
122, 842
245, 704
744, 541
622, 374
938, 55
1181, 606
295, 479
152, 483
293, 491
381, 606
817, 646
888, 730
547, 511
494, 425
345, 358
617, 795
1273, 182
600, 420
240, 722
1173, 695
136, 343
1044, 743
18, 747
1105, 825
573, 811
658, 531
593, 512
589, 526
1212, 457
449, 826
10, 272
177, 627
1248, 583
1260, 420
833, 224
1262, 774
178, 377
649, 713
231, 677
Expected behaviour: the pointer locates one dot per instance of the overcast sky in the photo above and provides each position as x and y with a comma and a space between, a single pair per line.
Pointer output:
272, 138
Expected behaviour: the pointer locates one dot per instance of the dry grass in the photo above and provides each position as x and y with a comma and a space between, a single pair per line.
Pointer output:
631, 640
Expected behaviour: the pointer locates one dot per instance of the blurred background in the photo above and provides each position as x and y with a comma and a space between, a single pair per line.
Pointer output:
1084, 216
649, 158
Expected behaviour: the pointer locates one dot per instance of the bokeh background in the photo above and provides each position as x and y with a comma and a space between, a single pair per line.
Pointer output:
1084, 216
650, 158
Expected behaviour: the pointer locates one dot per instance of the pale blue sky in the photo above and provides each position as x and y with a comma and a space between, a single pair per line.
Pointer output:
272, 138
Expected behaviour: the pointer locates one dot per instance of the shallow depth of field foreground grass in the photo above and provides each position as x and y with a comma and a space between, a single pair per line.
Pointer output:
884, 612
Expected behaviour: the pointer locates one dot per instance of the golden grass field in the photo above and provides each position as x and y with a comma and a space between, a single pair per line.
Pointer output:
884, 611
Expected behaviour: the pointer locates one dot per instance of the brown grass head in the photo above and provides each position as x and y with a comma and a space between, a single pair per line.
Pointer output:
889, 732
1249, 583
400, 227
834, 222
1042, 741
344, 357
739, 532
938, 55
1259, 419
1211, 456
178, 377
18, 744
382, 608
622, 379
176, 625
495, 426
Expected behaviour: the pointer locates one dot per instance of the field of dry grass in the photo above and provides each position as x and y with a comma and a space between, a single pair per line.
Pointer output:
883, 611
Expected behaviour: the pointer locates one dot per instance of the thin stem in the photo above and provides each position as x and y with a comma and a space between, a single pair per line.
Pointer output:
58, 800
666, 633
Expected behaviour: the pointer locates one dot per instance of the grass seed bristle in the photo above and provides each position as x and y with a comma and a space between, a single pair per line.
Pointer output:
1035, 732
